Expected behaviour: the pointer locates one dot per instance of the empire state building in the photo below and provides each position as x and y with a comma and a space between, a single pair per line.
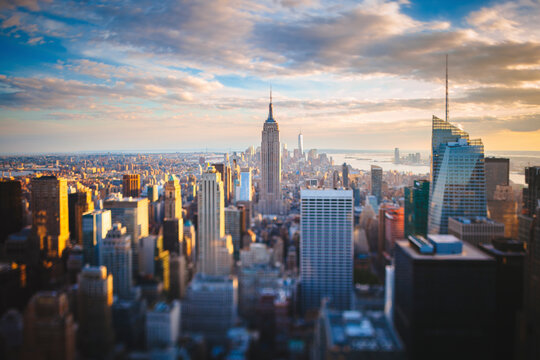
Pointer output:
270, 201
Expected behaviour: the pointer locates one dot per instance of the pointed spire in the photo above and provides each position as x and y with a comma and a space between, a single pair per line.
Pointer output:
270, 109
447, 88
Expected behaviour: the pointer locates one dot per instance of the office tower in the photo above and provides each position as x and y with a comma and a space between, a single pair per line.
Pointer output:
173, 199
531, 193
458, 185
11, 208
94, 302
397, 159
497, 173
163, 325
225, 171
394, 220
129, 321
155, 260
95, 226
444, 300
49, 329
301, 144
152, 193
510, 257
335, 179
475, 230
376, 181
209, 307
50, 222
173, 235
211, 219
177, 276
191, 244
115, 255
133, 214
355, 335
345, 175
326, 247
270, 194
79, 203
245, 193
131, 185
235, 226
416, 208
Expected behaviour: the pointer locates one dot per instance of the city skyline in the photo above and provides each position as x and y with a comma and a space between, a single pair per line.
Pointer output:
366, 75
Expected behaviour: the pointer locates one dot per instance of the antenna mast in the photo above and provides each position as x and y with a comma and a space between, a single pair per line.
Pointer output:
446, 87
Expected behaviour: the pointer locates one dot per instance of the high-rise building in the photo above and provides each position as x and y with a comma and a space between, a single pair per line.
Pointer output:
416, 208
115, 255
301, 144
49, 329
11, 208
177, 276
376, 182
173, 199
475, 230
457, 176
444, 299
152, 193
393, 227
131, 185
79, 203
345, 175
94, 302
225, 171
270, 201
211, 219
326, 247
497, 173
95, 226
235, 226
50, 216
210, 306
133, 214
163, 325
245, 192
173, 235
397, 159
531, 193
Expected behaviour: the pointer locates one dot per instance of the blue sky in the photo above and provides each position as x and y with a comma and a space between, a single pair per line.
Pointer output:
147, 75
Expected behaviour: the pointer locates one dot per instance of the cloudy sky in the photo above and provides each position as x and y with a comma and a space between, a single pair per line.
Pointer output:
173, 75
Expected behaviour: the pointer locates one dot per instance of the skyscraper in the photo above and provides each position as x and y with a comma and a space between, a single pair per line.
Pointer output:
376, 181
235, 226
50, 219
78, 203
211, 220
95, 226
116, 257
531, 193
173, 199
270, 201
457, 173
245, 185
301, 144
131, 185
397, 159
345, 175
11, 211
416, 208
225, 171
95, 298
497, 173
326, 247
163, 325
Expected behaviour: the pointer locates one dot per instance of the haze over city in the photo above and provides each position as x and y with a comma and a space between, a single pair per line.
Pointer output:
147, 76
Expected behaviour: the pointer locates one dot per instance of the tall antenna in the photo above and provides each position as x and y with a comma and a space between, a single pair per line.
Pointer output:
270, 93
446, 87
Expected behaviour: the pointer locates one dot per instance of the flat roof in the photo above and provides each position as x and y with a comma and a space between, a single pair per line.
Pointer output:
474, 220
469, 253
325, 193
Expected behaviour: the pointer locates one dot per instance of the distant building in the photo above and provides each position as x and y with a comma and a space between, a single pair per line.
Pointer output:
163, 325
152, 193
397, 159
235, 226
345, 175
326, 247
95, 298
11, 208
173, 235
131, 185
245, 191
348, 335
497, 173
95, 226
458, 183
173, 199
416, 208
531, 193
50, 216
116, 256
301, 144
79, 203
226, 178
376, 182
178, 276
49, 329
444, 300
475, 230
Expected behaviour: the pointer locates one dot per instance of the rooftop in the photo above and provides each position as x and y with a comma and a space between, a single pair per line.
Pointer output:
474, 220
468, 252
325, 193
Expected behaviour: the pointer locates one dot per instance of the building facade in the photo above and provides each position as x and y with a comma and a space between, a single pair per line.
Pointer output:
116, 256
95, 226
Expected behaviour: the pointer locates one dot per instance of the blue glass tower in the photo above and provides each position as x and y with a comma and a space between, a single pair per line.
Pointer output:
457, 176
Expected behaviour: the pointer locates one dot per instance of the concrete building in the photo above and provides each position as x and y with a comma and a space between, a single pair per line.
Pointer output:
173, 235
444, 300
376, 182
226, 178
326, 247
173, 199
163, 325
301, 144
95, 226
50, 216
475, 230
79, 203
235, 226
245, 192
178, 276
11, 208
497, 173
115, 255
131, 185
94, 302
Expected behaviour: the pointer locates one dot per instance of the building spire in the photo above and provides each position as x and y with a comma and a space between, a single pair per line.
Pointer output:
270, 109
446, 88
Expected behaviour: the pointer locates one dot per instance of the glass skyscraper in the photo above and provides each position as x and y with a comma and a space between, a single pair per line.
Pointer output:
416, 208
457, 176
